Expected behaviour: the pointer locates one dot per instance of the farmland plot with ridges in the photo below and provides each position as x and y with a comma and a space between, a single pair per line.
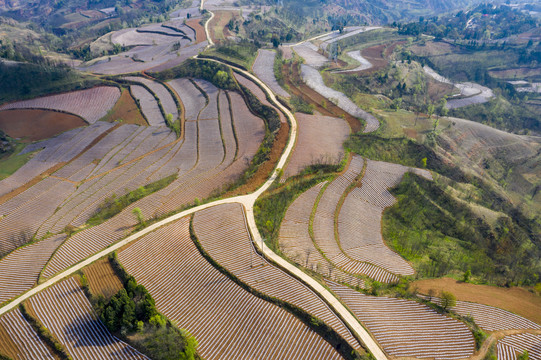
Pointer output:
192, 99
223, 233
264, 69
167, 101
324, 229
512, 346
314, 80
296, 244
19, 340
64, 309
52, 152
256, 90
19, 271
91, 104
319, 141
227, 321
491, 318
201, 176
359, 221
149, 105
407, 328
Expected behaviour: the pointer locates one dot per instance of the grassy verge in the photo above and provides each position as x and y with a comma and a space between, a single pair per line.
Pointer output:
114, 205
241, 54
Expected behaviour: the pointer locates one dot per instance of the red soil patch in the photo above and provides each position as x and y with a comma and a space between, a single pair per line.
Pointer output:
200, 35
296, 85
126, 110
102, 279
515, 299
374, 54
220, 21
262, 173
33, 125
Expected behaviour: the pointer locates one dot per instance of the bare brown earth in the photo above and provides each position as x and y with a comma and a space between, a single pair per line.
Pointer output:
220, 21
102, 279
33, 125
296, 85
126, 110
200, 35
262, 173
515, 299
374, 54
515, 73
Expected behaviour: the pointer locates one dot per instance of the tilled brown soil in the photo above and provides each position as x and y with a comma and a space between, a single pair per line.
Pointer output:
33, 125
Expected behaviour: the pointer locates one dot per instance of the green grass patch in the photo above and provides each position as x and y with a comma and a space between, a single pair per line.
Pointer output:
299, 105
11, 163
241, 53
400, 151
114, 205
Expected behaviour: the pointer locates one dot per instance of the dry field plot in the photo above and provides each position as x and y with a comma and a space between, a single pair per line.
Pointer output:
314, 81
319, 141
19, 341
33, 125
405, 328
514, 299
511, 347
223, 233
56, 151
352, 31
126, 111
91, 104
192, 99
66, 312
227, 321
102, 278
264, 69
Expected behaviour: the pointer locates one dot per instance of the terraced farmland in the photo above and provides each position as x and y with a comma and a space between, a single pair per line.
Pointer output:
314, 81
19, 271
149, 105
359, 248
223, 233
359, 221
227, 321
512, 346
264, 69
19, 340
324, 231
167, 101
91, 104
491, 318
309, 52
406, 328
64, 309
296, 244
214, 152
319, 141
